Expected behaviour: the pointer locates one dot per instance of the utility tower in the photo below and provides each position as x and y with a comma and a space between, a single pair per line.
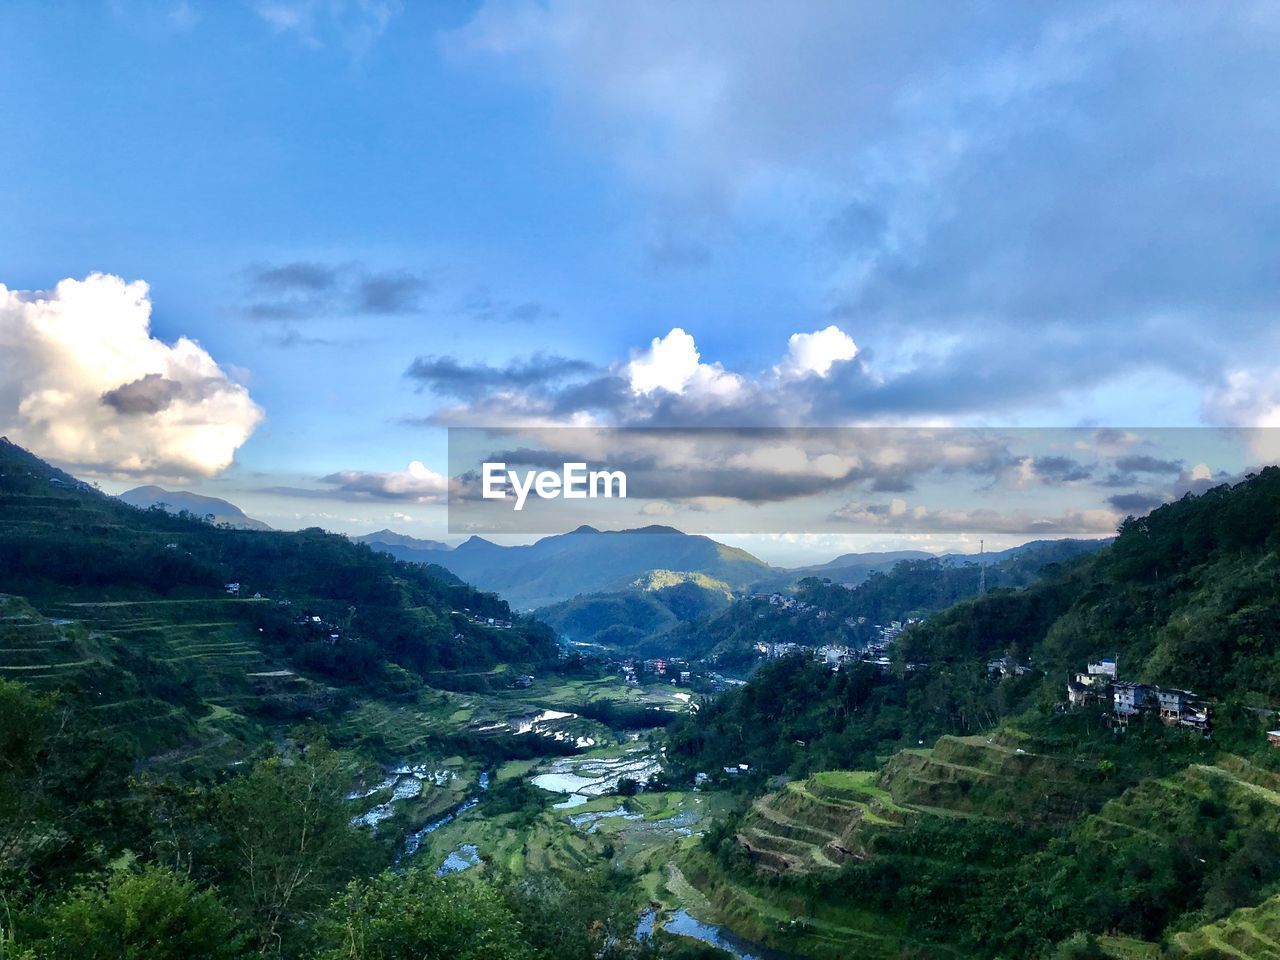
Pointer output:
982, 568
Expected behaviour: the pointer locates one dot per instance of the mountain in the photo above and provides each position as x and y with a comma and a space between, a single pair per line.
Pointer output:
176, 501
851, 569
390, 538
652, 604
403, 547
588, 561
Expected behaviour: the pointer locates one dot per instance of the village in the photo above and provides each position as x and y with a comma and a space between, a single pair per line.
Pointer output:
1100, 684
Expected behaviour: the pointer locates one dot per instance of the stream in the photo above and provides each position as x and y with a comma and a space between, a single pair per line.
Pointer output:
414, 840
683, 924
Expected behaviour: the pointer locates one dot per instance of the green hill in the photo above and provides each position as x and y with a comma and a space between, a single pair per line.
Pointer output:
589, 561
651, 605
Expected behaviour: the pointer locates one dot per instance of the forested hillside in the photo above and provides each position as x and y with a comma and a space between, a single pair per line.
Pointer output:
976, 814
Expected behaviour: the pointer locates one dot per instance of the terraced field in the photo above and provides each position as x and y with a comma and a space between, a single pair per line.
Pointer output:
36, 650
211, 637
989, 776
818, 823
828, 819
1249, 934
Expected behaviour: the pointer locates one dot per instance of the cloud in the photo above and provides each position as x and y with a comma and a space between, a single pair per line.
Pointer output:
898, 516
149, 394
1140, 463
672, 364
1058, 469
480, 304
449, 376
417, 483
354, 25
83, 382
815, 353
303, 290
1135, 503
299, 275
1048, 192
414, 484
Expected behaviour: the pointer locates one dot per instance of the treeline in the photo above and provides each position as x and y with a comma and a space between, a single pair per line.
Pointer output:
797, 716
1187, 596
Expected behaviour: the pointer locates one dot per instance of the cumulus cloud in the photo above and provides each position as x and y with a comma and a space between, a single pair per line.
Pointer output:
674, 365
83, 382
810, 354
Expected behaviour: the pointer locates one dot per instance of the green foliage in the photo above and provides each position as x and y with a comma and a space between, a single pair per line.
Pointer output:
586, 916
797, 716
286, 838
153, 914
417, 916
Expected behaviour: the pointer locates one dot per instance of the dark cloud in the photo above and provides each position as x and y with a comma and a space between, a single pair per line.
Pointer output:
393, 292
1061, 469
299, 275
1135, 503
1138, 463
292, 337
481, 305
304, 290
448, 376
144, 396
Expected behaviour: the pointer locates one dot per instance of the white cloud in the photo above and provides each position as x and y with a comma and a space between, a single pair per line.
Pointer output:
673, 364
1250, 399
814, 353
83, 382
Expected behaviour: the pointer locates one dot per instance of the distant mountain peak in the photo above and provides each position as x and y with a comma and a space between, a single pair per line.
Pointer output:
390, 538
175, 501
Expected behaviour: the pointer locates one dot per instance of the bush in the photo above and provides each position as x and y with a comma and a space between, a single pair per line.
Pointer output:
153, 914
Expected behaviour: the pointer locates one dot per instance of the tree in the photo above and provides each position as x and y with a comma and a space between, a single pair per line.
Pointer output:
153, 914
418, 916
288, 837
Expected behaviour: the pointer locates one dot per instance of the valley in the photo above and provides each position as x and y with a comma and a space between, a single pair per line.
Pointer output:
899, 774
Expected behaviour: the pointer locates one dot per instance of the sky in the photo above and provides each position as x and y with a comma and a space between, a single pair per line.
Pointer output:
270, 250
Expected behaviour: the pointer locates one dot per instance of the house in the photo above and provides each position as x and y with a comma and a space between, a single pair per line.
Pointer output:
685, 676
1273, 736
699, 779
1174, 704
1105, 667
1130, 698
233, 589
523, 681
1006, 667
1078, 694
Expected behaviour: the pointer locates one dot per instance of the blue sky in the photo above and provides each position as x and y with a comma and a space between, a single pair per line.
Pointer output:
379, 218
